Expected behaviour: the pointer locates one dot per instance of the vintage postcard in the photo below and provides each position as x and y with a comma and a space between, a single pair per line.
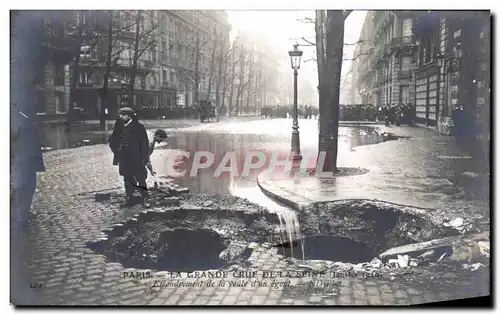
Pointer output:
222, 158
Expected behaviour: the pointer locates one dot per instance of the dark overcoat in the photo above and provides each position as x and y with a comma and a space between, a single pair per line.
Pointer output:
134, 157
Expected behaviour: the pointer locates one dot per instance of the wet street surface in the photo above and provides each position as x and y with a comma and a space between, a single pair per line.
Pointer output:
260, 135
88, 252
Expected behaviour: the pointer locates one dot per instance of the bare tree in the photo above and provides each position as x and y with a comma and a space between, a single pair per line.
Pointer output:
225, 75
114, 49
250, 79
245, 75
231, 81
330, 35
144, 40
211, 76
220, 68
193, 69
329, 28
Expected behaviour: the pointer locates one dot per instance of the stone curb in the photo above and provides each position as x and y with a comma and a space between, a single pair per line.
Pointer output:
276, 197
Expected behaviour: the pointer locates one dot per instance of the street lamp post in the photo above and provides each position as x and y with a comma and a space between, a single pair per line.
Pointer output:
295, 57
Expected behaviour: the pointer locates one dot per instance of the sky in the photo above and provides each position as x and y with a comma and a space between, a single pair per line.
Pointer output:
282, 29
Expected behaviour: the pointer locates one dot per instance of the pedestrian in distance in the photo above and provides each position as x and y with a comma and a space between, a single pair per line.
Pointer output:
130, 146
457, 116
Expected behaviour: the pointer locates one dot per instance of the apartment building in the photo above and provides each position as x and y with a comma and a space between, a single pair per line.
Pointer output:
434, 60
385, 58
52, 76
169, 58
453, 67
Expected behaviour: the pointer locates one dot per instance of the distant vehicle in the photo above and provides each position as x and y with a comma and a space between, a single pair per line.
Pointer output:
207, 110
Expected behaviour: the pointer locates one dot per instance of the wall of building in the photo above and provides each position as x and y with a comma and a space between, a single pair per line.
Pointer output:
453, 61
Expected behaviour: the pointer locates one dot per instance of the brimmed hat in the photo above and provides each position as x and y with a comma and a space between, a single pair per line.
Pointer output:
126, 110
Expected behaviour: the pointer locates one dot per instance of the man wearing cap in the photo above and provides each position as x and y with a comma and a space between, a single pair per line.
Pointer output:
130, 145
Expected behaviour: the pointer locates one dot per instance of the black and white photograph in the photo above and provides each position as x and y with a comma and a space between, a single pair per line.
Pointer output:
250, 157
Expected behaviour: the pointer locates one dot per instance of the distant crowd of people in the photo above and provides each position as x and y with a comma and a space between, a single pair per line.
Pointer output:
286, 111
170, 112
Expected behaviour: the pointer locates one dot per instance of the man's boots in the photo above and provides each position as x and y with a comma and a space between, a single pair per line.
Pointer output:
128, 202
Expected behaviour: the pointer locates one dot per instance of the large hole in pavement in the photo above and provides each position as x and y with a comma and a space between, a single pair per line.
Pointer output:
179, 250
184, 240
202, 239
356, 231
330, 247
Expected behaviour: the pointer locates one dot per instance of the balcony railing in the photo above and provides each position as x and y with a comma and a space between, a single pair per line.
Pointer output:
404, 74
398, 42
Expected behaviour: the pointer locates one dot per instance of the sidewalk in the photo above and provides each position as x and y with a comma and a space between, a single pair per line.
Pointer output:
426, 171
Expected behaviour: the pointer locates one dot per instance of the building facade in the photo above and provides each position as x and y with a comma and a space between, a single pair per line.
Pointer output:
175, 49
453, 67
433, 60
385, 60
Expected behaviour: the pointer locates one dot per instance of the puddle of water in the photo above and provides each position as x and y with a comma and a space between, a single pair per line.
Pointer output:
55, 137
219, 144
332, 248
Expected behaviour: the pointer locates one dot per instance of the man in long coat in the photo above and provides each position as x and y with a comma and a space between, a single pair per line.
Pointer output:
26, 153
130, 145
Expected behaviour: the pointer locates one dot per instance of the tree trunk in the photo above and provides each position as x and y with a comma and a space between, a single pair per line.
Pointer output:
330, 87
197, 70
76, 72
212, 70
105, 86
219, 76
135, 59
231, 93
241, 82
223, 94
249, 87
256, 91
320, 59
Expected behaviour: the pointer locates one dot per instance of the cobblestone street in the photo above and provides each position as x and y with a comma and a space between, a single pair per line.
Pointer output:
67, 218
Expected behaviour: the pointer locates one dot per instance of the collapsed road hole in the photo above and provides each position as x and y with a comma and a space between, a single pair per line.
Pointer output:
178, 250
183, 240
356, 231
329, 247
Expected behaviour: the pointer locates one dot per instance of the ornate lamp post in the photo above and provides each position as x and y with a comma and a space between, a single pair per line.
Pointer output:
295, 57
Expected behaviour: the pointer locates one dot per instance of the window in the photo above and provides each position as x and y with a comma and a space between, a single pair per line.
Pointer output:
86, 78
404, 92
87, 52
405, 63
81, 17
128, 22
425, 51
164, 77
406, 28
154, 54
